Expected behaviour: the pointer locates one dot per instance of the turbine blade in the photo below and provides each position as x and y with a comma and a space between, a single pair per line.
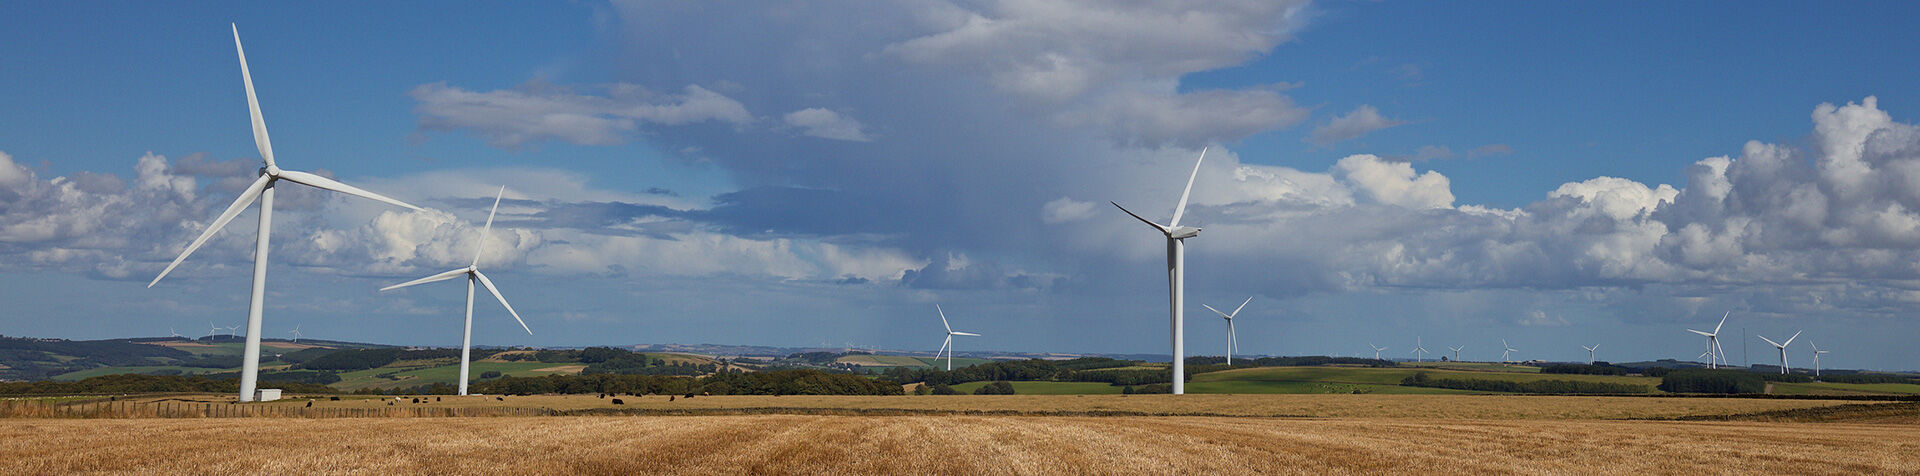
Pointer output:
943, 318
1723, 322
1243, 305
246, 198
1217, 311
966, 334
1136, 216
317, 181
260, 139
430, 279
1182, 207
1769, 341
1796, 335
503, 299
489, 228
1699, 332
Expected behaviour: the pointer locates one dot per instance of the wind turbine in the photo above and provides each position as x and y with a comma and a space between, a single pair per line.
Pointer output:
1590, 352
231, 330
262, 188
1376, 351
948, 345
1456, 352
1231, 342
1816, 359
296, 334
472, 272
1713, 343
1176, 277
1419, 350
1505, 356
174, 333
212, 330
1783, 349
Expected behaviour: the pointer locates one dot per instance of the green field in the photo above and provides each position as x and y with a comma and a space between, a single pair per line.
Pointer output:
1365, 380
1046, 388
1480, 366
448, 373
907, 361
1825, 388
134, 370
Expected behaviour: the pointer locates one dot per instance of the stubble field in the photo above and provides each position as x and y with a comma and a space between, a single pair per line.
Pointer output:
815, 444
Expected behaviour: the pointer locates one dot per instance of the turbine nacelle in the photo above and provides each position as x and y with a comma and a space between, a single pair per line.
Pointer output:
1182, 232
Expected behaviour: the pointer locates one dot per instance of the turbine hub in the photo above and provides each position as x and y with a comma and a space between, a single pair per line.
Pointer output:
270, 171
1184, 232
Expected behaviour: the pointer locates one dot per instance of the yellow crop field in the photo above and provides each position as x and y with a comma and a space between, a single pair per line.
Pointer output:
811, 444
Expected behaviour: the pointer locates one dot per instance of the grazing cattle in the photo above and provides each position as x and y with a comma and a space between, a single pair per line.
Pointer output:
689, 395
309, 403
617, 401
436, 399
416, 400
389, 403
669, 398
334, 398
500, 398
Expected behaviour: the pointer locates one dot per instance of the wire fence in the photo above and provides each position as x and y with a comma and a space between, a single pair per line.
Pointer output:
186, 409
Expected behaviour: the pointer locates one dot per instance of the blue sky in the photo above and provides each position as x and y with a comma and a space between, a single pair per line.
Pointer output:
799, 173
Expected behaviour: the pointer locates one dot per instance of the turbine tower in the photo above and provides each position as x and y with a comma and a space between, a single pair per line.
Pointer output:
1816, 359
1783, 349
1505, 356
1419, 350
1713, 344
1176, 279
1456, 352
262, 188
948, 345
473, 274
1590, 352
1231, 342
1376, 351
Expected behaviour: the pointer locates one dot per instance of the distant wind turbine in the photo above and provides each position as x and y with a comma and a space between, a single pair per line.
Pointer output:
1816, 359
1590, 352
1231, 342
1376, 351
1176, 277
1419, 350
262, 188
948, 345
1783, 349
473, 274
231, 330
174, 333
1456, 352
212, 331
1715, 357
296, 334
1506, 355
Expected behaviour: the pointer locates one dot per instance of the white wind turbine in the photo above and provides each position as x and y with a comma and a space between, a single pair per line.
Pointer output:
1506, 355
296, 334
1376, 351
231, 330
174, 333
1419, 350
1782, 346
1590, 352
1176, 277
262, 188
1456, 352
1713, 344
212, 330
1816, 359
1232, 343
473, 274
947, 346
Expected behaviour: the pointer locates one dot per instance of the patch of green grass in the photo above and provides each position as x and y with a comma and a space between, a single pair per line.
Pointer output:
1377, 380
1826, 388
77, 375
884, 361
1479, 366
1045, 388
958, 362
427, 375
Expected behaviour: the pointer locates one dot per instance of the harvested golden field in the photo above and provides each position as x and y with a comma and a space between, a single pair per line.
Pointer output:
802, 444
1495, 407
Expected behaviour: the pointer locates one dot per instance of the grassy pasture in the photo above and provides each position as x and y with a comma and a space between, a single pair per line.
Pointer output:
1047, 388
992, 445
1825, 388
1366, 379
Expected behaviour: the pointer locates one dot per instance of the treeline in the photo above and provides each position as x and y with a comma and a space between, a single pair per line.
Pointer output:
135, 383
1087, 369
785, 382
362, 359
1422, 379
1867, 378
1583, 369
1712, 381
1309, 361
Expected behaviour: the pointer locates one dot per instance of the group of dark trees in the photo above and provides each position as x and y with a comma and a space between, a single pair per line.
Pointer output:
1086, 369
783, 382
1422, 379
362, 359
135, 383
1712, 381
1303, 361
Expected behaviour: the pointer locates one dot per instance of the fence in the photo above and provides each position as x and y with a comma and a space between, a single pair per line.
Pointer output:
184, 409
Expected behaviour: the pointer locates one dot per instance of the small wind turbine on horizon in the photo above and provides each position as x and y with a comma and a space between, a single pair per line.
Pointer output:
1590, 352
174, 333
1816, 358
948, 345
231, 330
473, 274
1419, 350
212, 330
1176, 278
1506, 355
1376, 351
296, 334
1783, 349
262, 188
1456, 352
1715, 356
1231, 342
